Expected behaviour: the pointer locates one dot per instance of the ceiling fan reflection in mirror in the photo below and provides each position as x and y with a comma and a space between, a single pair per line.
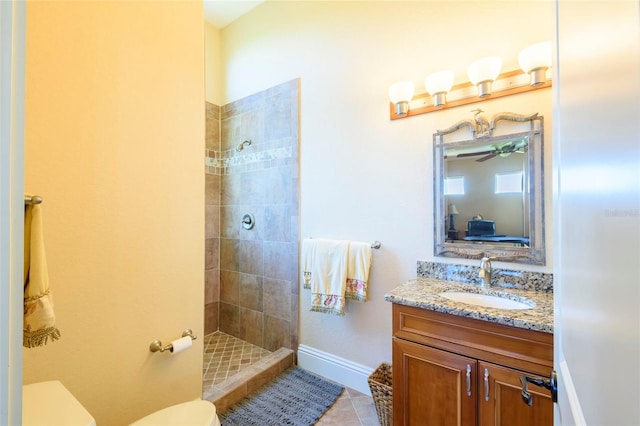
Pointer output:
502, 150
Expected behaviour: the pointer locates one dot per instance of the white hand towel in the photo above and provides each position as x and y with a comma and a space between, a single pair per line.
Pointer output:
359, 263
325, 272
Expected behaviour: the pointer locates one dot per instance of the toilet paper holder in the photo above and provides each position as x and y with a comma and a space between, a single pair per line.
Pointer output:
156, 345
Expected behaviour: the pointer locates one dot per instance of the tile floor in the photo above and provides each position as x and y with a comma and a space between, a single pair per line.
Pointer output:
351, 409
226, 355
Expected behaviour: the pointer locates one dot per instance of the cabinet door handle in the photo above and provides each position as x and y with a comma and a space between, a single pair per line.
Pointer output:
551, 385
468, 380
486, 384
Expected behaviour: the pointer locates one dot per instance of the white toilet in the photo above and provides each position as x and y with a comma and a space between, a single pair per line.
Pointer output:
50, 403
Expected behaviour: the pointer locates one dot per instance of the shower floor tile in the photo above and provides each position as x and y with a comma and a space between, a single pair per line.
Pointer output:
225, 355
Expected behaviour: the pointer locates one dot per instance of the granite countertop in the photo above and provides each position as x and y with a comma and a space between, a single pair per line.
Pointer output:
423, 293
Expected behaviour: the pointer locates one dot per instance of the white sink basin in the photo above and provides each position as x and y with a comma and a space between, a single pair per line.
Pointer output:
486, 300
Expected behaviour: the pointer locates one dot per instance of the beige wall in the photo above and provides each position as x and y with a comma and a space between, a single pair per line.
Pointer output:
213, 65
114, 144
362, 176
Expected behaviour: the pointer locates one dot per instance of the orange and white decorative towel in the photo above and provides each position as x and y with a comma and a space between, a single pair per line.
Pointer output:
358, 265
335, 270
39, 318
325, 272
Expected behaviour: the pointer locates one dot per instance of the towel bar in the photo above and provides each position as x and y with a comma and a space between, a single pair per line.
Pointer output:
35, 199
374, 245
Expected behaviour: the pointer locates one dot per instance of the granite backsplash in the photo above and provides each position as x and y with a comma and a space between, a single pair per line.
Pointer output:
506, 278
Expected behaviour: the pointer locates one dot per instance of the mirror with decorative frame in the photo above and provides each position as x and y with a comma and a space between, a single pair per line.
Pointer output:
488, 189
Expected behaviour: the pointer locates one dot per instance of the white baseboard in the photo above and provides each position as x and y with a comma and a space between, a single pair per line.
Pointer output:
340, 370
574, 415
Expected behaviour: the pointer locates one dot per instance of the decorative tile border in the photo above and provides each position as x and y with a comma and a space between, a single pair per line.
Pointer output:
251, 158
506, 278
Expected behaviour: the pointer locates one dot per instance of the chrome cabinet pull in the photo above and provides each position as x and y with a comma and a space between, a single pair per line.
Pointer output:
486, 384
468, 380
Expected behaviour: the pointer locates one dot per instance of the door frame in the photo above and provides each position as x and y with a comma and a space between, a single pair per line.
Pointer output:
12, 99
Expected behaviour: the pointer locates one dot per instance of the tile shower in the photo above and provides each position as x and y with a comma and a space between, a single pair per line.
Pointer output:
251, 275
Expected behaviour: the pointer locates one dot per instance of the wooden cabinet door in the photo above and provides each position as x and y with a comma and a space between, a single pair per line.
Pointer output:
432, 387
500, 401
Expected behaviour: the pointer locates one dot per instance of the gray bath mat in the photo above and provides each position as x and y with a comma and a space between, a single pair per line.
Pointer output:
296, 397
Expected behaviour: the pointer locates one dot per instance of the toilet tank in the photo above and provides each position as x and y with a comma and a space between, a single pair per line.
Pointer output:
50, 403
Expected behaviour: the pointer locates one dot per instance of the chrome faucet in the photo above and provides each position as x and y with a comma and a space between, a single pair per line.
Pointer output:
485, 272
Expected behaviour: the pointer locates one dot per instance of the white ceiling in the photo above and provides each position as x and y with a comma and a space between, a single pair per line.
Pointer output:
220, 13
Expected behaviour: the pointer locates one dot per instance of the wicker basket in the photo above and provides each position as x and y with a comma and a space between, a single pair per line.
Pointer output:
381, 390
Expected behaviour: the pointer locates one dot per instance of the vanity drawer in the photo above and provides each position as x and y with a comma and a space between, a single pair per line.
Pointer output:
519, 348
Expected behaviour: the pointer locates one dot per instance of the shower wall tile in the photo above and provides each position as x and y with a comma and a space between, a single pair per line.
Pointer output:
253, 185
280, 116
277, 298
229, 287
212, 189
211, 317
211, 253
231, 189
250, 255
274, 186
211, 286
212, 221
279, 257
212, 128
276, 333
294, 196
229, 254
229, 321
230, 132
278, 218
262, 179
251, 292
251, 326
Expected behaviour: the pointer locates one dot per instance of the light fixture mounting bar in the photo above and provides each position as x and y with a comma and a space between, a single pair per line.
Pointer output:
508, 83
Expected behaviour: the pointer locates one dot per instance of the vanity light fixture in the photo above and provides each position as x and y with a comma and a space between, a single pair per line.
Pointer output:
483, 72
535, 60
438, 85
400, 95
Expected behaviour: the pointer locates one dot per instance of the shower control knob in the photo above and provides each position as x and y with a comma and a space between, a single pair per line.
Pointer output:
248, 221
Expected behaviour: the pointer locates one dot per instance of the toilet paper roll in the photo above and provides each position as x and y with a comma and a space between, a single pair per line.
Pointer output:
180, 345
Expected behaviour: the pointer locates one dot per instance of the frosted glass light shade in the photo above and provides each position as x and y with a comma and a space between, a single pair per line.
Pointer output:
535, 60
437, 82
401, 94
401, 91
484, 71
438, 85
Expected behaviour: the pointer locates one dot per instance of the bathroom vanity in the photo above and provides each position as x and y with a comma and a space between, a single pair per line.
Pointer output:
462, 364
473, 345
